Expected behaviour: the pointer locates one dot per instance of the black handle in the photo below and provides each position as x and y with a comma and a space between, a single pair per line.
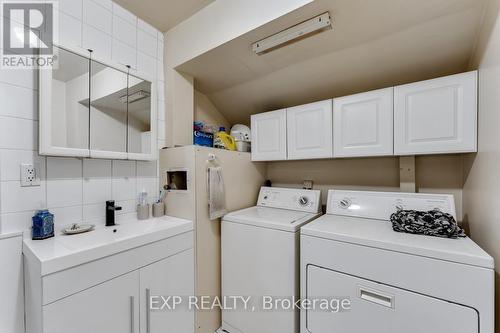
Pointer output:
118, 208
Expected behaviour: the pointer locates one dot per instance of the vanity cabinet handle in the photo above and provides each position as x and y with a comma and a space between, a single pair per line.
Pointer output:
132, 304
148, 310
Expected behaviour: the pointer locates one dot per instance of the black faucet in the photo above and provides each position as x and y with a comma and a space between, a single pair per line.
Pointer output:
110, 212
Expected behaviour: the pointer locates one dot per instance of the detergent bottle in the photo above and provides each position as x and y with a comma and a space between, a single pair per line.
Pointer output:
222, 140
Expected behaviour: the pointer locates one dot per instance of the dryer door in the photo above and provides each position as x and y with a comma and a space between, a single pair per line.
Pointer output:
378, 308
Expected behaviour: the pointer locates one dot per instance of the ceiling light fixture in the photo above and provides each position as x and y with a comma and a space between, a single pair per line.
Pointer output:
293, 34
137, 96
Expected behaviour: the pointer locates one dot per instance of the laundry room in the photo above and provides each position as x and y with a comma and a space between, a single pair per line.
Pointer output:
235, 166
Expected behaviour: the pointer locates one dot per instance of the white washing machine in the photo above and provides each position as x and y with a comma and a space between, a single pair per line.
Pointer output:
396, 282
260, 257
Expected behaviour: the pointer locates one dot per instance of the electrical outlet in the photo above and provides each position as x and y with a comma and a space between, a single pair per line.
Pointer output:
29, 175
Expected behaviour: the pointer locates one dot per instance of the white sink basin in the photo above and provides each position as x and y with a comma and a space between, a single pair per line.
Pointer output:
65, 251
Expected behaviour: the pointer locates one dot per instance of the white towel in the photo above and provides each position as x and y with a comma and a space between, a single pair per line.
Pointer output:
216, 193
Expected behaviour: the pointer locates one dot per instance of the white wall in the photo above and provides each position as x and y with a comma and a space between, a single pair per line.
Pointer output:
205, 110
481, 193
74, 189
212, 26
220, 22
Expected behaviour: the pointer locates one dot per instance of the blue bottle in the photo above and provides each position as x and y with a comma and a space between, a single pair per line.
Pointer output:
43, 225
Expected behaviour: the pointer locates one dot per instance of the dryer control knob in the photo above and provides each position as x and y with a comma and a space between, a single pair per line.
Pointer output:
303, 201
345, 203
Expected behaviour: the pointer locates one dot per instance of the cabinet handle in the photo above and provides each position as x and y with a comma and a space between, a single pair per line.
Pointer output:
376, 297
148, 310
132, 304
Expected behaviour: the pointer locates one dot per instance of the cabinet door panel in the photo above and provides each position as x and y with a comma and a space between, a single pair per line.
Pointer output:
269, 136
109, 307
363, 124
309, 131
173, 276
436, 116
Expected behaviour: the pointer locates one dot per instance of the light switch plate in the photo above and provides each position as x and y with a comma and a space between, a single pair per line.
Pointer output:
29, 175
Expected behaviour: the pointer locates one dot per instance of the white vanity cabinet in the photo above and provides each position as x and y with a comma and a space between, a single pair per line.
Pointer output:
363, 124
269, 136
173, 276
436, 116
100, 282
309, 131
108, 307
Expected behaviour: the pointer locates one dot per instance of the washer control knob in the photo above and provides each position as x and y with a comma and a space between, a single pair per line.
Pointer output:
303, 201
345, 203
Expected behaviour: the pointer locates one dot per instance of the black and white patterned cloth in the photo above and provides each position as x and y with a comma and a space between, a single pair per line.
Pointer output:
431, 223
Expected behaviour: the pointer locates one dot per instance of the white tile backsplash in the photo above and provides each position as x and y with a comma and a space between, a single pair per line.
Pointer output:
124, 54
65, 216
12, 222
150, 185
75, 189
147, 44
14, 198
95, 168
18, 101
64, 168
19, 77
64, 192
125, 188
17, 133
146, 64
72, 7
146, 27
124, 169
70, 33
11, 160
95, 212
108, 4
124, 31
161, 129
97, 41
124, 14
97, 16
146, 168
96, 190
128, 206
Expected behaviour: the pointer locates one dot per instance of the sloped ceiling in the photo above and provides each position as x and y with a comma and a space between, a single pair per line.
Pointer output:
164, 14
373, 44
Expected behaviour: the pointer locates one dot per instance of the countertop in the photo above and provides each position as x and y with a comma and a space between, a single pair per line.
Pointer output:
65, 251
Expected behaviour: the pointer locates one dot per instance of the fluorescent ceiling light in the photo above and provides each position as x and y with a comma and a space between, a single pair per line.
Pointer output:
297, 32
137, 96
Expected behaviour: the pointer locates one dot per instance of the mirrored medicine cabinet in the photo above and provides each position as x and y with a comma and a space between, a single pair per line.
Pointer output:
91, 108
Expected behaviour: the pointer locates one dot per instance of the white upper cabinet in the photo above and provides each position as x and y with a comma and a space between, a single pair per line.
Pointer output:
269, 136
363, 124
309, 131
436, 116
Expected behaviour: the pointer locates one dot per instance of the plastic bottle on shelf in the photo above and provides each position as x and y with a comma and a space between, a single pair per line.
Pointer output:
222, 140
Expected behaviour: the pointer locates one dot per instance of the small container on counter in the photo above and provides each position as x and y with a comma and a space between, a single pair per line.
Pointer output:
143, 212
158, 209
42, 225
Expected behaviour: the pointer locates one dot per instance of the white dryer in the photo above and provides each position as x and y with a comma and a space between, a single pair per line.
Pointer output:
396, 282
260, 257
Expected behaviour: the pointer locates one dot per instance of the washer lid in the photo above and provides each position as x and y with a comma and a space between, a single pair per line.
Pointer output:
379, 234
273, 218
